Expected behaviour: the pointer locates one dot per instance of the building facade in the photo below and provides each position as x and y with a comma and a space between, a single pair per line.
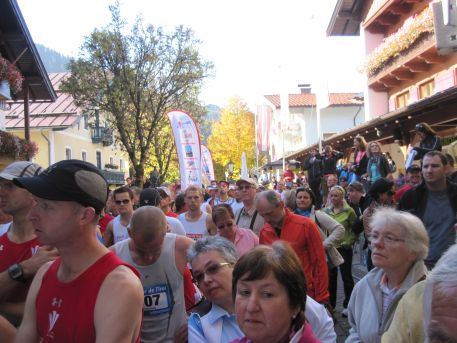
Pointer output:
63, 130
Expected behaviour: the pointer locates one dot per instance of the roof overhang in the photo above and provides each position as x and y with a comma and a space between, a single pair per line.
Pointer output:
346, 18
439, 111
17, 46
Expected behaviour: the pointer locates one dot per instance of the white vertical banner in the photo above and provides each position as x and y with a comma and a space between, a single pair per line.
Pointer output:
322, 101
207, 165
187, 141
244, 166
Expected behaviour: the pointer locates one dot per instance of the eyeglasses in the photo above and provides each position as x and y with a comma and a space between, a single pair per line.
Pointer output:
123, 202
222, 226
387, 239
212, 269
240, 188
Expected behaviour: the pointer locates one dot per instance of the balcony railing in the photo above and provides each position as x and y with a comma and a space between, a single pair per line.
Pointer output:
102, 135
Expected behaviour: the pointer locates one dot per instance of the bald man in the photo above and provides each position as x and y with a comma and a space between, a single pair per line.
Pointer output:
151, 249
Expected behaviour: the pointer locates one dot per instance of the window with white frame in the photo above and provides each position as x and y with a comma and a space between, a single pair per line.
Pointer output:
84, 155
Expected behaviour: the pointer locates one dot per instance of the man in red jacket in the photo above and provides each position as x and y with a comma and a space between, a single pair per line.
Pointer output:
302, 234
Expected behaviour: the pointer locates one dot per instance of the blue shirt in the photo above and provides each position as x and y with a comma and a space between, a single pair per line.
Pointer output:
230, 328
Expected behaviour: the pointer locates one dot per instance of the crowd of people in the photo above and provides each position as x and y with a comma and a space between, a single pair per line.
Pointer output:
253, 261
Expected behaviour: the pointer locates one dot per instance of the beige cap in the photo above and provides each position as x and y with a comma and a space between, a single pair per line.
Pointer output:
249, 180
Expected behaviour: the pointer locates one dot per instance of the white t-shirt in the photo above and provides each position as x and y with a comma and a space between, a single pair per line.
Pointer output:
194, 230
4, 228
175, 226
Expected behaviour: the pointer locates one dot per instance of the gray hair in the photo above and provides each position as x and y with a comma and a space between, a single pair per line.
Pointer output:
444, 271
271, 197
411, 228
213, 243
290, 199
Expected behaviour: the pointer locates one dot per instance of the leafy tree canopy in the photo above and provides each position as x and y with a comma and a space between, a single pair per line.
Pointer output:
134, 78
232, 135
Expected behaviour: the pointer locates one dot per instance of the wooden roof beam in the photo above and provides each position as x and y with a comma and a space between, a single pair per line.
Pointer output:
417, 67
432, 57
387, 20
402, 74
401, 9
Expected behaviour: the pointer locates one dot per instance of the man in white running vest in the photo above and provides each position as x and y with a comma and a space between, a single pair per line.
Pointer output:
194, 220
152, 251
116, 230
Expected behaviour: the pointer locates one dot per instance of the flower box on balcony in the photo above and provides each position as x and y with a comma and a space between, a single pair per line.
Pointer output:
414, 30
10, 78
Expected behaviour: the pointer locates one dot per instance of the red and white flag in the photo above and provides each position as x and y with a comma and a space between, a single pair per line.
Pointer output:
264, 117
187, 141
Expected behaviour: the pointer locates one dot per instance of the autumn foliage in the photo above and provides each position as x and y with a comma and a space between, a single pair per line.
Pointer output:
232, 135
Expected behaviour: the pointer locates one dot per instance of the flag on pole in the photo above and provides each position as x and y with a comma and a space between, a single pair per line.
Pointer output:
207, 165
264, 118
187, 141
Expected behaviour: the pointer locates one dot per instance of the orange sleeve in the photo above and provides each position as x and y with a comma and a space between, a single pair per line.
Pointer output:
319, 264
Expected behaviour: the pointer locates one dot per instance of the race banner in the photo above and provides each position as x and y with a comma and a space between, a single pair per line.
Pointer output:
207, 165
187, 141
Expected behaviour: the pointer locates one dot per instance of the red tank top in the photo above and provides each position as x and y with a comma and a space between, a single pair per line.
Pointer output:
65, 310
11, 253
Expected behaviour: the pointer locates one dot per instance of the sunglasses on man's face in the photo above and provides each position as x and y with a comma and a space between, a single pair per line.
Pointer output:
123, 202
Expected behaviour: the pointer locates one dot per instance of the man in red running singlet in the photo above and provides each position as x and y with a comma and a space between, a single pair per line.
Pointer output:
87, 294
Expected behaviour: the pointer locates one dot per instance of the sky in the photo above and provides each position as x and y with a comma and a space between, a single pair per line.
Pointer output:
257, 47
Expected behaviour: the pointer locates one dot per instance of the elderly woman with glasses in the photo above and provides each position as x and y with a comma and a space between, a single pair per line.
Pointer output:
399, 244
224, 219
212, 259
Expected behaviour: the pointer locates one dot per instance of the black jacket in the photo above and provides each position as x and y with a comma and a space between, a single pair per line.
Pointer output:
313, 166
329, 162
430, 143
360, 168
415, 200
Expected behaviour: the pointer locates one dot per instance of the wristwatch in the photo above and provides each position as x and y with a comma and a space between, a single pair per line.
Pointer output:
16, 272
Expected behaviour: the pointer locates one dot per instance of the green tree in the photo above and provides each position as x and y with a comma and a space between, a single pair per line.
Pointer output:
134, 79
232, 135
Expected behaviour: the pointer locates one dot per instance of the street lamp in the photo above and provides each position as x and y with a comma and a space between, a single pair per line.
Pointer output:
230, 167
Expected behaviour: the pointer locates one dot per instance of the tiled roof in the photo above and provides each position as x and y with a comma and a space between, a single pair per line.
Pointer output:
309, 99
61, 113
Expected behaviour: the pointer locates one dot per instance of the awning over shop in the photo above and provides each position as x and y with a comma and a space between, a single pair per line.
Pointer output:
439, 111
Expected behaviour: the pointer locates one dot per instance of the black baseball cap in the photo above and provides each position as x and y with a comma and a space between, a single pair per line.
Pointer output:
69, 180
150, 197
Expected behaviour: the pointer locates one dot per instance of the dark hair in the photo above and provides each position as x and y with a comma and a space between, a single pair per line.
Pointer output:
221, 210
450, 159
356, 186
309, 191
281, 260
179, 202
425, 128
123, 190
436, 153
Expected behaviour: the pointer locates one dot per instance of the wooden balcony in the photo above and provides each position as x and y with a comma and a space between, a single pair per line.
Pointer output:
418, 59
385, 13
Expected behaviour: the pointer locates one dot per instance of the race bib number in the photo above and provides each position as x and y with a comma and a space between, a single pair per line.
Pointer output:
157, 300
194, 236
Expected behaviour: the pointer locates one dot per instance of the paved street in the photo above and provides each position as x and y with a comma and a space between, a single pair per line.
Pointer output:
358, 271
